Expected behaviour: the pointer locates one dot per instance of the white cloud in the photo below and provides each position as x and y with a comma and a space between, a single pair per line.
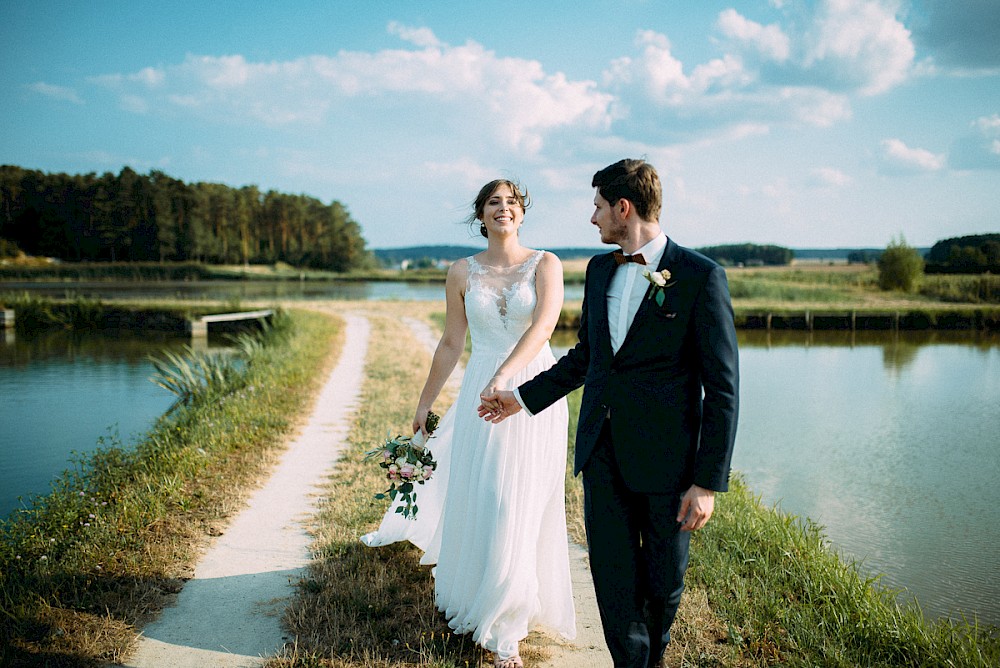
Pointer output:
516, 99
55, 92
980, 148
860, 43
897, 157
829, 177
770, 41
988, 124
422, 37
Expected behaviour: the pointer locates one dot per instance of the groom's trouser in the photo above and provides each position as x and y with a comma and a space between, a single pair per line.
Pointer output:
638, 556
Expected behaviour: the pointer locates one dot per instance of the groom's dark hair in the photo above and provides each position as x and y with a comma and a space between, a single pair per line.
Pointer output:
634, 180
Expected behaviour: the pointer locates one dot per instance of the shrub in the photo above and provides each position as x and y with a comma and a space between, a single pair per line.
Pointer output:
900, 267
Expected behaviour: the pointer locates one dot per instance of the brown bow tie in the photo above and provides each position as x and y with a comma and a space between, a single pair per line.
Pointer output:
621, 258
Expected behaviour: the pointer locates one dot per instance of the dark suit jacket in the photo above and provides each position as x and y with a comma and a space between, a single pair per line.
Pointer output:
673, 388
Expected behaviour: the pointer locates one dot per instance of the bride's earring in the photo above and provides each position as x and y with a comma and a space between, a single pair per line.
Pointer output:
482, 230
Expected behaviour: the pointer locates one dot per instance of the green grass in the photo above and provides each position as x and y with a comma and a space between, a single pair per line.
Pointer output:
82, 567
787, 598
981, 289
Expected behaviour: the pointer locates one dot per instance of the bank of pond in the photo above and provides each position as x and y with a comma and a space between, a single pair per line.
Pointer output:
90, 558
30, 313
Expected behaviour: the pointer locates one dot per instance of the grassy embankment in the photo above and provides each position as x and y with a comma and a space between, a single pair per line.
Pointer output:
764, 589
84, 566
959, 301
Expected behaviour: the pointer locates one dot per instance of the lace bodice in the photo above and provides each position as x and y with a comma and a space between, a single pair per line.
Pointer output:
499, 303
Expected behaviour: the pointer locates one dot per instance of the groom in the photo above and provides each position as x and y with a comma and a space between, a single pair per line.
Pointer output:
658, 417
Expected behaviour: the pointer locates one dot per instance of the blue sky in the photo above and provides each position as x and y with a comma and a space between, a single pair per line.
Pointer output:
805, 124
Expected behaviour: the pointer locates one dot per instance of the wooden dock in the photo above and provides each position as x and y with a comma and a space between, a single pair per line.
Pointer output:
199, 327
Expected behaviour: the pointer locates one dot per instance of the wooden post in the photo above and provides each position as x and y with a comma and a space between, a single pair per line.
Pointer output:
197, 328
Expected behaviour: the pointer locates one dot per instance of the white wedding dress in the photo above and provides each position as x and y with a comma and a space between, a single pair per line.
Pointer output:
493, 517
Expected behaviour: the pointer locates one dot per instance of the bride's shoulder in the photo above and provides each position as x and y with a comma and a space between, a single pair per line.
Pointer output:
459, 268
548, 259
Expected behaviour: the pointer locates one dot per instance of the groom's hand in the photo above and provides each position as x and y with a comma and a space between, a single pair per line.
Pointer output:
697, 506
499, 406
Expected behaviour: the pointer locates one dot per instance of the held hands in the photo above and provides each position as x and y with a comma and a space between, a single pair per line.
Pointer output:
498, 406
697, 506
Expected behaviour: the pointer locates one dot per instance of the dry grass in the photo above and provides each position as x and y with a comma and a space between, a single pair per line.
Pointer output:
359, 606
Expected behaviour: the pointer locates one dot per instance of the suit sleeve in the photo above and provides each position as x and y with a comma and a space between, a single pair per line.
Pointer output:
719, 357
565, 375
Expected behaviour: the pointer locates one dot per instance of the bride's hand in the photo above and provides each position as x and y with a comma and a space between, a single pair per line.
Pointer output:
420, 420
489, 393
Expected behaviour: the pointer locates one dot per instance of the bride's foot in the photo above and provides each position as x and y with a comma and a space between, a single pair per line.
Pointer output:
510, 662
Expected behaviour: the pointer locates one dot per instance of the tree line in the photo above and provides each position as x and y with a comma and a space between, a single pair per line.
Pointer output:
971, 254
131, 217
749, 254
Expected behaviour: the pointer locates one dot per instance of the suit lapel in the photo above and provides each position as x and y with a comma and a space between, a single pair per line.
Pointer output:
599, 303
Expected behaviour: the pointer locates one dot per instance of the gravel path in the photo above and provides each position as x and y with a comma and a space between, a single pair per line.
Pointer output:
228, 615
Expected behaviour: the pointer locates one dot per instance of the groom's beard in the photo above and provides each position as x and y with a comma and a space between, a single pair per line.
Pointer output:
614, 232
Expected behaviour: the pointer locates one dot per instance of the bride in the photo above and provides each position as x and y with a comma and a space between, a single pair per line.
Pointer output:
493, 517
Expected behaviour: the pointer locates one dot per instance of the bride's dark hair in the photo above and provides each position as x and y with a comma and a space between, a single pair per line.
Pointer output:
520, 194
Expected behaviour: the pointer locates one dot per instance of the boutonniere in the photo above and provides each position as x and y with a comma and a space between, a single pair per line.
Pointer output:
660, 280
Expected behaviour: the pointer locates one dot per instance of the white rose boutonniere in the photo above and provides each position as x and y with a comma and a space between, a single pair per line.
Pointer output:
660, 281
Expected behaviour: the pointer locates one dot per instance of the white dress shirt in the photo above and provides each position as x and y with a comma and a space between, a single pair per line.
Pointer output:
625, 293
628, 287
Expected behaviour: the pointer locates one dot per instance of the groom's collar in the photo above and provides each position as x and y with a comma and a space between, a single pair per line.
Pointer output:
652, 251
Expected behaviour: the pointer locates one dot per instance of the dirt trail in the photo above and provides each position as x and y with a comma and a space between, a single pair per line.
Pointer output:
229, 614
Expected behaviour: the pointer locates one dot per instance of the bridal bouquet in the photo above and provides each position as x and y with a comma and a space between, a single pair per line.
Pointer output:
407, 461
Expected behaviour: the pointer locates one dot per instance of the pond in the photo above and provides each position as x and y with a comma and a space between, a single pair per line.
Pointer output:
62, 394
229, 291
888, 441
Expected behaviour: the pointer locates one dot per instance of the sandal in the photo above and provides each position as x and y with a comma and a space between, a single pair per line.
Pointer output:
509, 662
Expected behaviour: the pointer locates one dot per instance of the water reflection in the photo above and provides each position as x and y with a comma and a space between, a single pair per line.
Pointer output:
246, 290
64, 393
888, 440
